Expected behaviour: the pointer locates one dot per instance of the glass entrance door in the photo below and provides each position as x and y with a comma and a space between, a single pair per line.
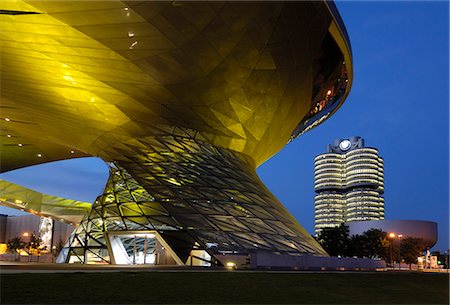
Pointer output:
134, 249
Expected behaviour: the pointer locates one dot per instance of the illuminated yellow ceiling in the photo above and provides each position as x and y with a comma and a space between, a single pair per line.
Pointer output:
79, 75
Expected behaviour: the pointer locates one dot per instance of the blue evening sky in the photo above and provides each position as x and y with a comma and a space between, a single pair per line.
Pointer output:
398, 104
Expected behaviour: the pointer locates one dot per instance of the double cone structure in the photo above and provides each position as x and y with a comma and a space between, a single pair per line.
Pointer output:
184, 100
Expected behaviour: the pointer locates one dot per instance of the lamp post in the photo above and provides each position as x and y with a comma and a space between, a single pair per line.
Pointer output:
447, 254
53, 253
399, 246
391, 236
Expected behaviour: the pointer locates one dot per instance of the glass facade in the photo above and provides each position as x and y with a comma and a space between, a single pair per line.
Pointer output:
349, 185
198, 200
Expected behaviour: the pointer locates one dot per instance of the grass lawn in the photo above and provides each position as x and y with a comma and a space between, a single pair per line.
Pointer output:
224, 288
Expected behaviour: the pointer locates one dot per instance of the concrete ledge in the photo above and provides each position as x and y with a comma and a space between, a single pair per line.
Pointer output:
309, 262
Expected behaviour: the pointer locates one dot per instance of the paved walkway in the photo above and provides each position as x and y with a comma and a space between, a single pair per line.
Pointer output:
18, 267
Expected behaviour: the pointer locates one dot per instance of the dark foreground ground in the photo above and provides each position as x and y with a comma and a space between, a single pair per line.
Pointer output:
231, 287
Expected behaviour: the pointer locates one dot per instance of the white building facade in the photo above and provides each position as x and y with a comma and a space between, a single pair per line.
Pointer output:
349, 184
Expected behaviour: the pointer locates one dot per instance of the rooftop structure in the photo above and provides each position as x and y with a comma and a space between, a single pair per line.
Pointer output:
27, 200
184, 100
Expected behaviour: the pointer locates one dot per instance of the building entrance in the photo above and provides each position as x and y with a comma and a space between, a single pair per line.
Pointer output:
140, 249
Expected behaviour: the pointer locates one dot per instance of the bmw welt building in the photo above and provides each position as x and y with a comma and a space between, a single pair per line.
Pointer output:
183, 100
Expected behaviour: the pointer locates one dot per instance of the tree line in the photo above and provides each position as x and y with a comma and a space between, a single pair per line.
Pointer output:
373, 243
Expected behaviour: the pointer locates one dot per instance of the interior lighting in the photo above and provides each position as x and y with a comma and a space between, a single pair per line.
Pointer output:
20, 144
70, 79
39, 155
8, 135
133, 45
18, 201
130, 34
231, 265
72, 151
7, 119
329, 92
173, 181
126, 9
145, 235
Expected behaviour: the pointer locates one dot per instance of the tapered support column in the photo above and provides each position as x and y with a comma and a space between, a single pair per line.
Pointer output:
195, 196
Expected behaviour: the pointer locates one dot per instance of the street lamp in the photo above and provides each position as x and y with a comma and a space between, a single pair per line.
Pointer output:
447, 255
53, 253
391, 236
399, 246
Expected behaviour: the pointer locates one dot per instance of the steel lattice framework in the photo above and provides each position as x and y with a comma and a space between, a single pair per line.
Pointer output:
184, 181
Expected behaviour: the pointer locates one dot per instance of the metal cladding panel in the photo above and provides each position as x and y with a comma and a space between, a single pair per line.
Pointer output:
246, 76
196, 196
131, 81
22, 198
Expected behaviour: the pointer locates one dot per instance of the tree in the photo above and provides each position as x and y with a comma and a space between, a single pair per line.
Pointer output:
411, 248
372, 244
15, 244
377, 244
335, 240
357, 246
34, 245
442, 258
